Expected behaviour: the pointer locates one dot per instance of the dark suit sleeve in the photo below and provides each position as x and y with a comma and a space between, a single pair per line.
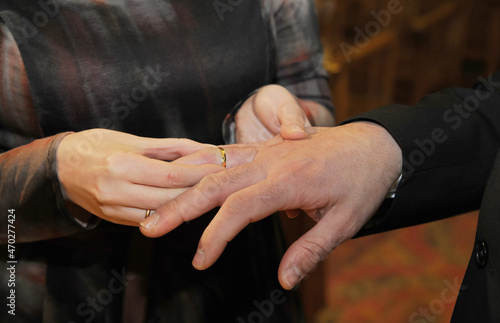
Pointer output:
449, 142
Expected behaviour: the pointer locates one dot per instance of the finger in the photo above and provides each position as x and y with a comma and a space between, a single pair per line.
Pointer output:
235, 155
292, 214
210, 192
241, 208
304, 255
209, 155
275, 103
137, 196
153, 197
153, 172
289, 113
293, 120
123, 215
167, 149
317, 113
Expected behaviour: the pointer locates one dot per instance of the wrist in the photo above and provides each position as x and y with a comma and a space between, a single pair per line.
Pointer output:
229, 124
61, 163
389, 152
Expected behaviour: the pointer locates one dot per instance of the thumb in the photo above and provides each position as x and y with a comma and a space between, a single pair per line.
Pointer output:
304, 255
293, 120
280, 112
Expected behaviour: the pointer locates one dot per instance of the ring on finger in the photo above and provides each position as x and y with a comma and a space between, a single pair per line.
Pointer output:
148, 213
223, 156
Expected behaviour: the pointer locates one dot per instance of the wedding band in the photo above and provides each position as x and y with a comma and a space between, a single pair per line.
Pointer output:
223, 156
148, 213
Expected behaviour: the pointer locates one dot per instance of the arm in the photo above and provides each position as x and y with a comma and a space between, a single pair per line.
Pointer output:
57, 184
28, 179
340, 177
29, 185
449, 142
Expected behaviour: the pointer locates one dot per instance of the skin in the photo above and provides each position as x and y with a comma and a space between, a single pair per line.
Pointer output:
337, 176
273, 110
117, 176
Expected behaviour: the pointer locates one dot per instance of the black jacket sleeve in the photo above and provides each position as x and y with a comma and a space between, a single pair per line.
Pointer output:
449, 142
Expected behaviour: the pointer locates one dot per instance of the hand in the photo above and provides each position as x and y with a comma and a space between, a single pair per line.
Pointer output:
117, 176
338, 176
274, 110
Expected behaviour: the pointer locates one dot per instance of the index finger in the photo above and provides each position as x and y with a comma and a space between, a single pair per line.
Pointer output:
209, 193
168, 148
153, 172
235, 155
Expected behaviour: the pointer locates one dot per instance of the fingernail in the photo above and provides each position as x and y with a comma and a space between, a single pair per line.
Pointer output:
292, 276
297, 128
199, 259
150, 221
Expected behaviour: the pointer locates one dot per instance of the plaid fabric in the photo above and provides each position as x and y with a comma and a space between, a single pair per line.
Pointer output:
157, 68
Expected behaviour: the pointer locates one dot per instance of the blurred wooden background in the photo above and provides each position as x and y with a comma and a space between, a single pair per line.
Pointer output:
379, 52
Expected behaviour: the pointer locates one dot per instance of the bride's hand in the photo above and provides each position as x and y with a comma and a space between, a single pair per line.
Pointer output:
117, 176
271, 111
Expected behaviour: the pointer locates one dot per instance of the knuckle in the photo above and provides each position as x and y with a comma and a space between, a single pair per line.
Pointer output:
185, 141
212, 185
103, 193
262, 97
273, 192
178, 208
238, 175
294, 177
207, 191
173, 178
116, 163
186, 145
301, 165
238, 202
271, 88
207, 155
109, 212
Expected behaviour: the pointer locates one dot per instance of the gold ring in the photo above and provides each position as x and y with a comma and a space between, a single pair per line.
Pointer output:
223, 156
148, 213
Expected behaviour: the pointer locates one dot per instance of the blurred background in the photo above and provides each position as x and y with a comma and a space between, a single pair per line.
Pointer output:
379, 52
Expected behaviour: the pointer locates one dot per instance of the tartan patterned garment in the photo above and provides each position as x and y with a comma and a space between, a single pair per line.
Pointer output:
156, 68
